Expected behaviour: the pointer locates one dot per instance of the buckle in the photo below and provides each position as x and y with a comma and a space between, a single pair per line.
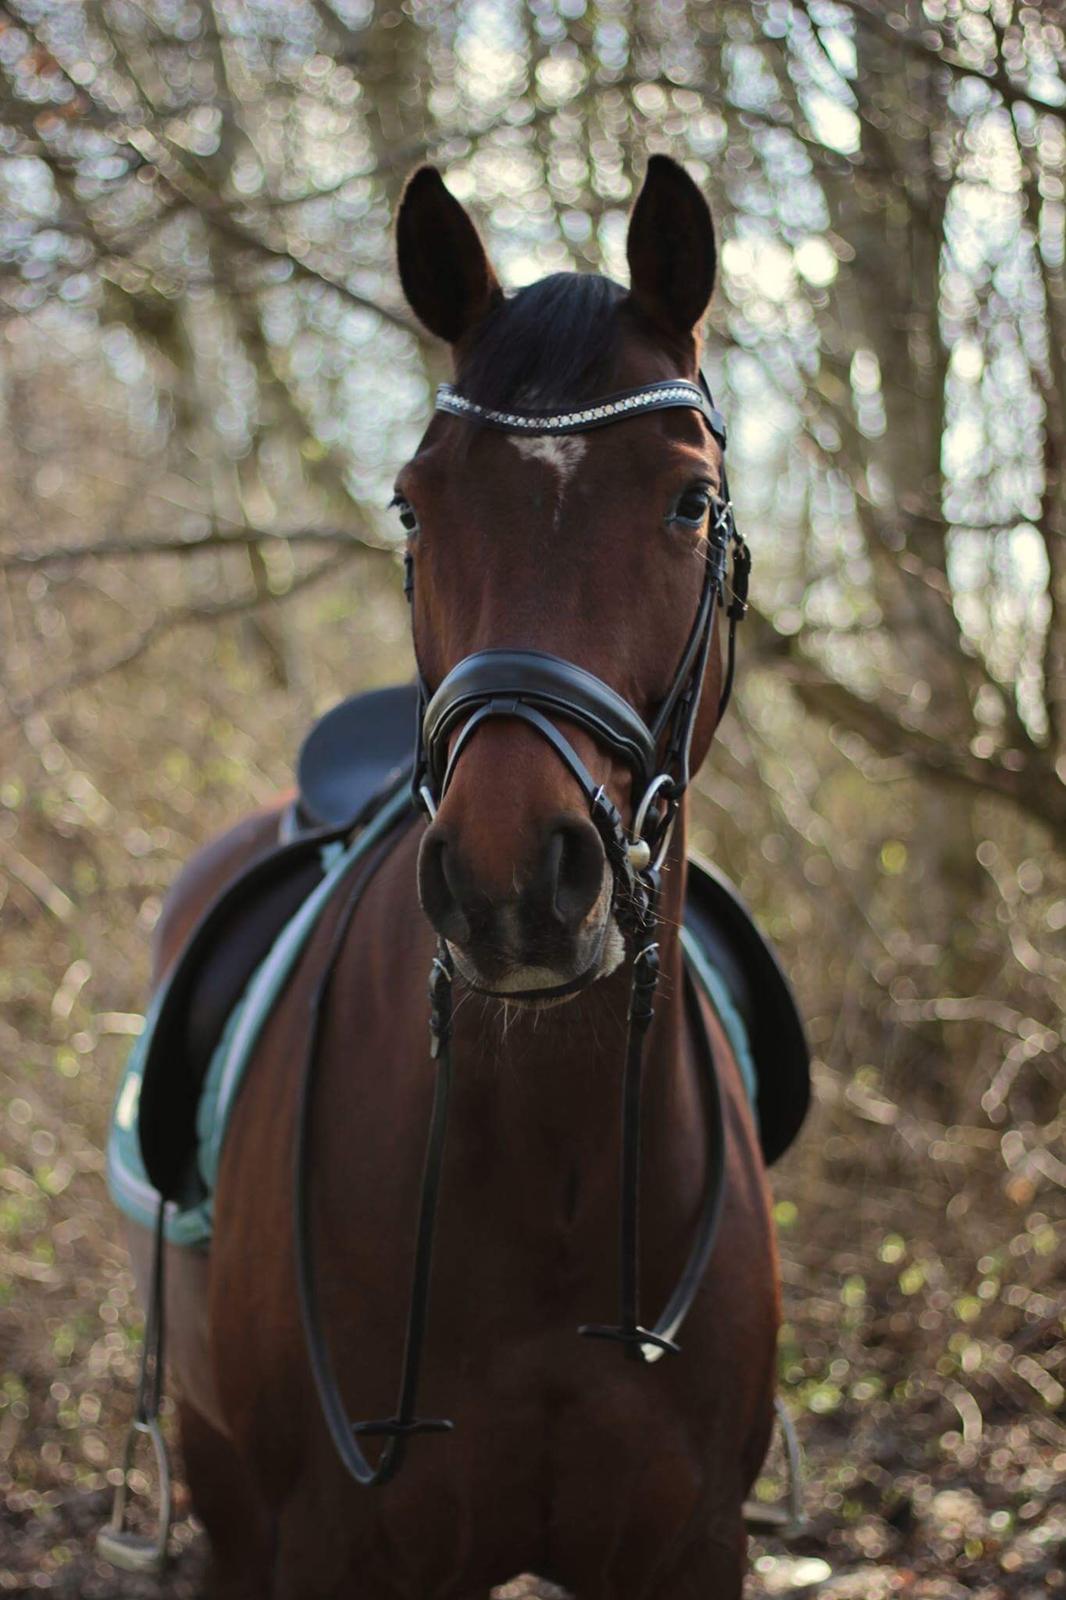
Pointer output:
641, 1344
397, 1428
738, 599
425, 798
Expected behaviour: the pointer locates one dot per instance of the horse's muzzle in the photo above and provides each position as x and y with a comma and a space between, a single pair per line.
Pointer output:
545, 940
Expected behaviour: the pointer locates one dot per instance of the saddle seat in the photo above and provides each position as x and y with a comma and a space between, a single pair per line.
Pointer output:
354, 757
353, 769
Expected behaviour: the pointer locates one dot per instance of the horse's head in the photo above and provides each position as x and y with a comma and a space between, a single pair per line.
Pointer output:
588, 546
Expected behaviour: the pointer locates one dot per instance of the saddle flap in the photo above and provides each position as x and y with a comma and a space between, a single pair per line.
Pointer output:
190, 1010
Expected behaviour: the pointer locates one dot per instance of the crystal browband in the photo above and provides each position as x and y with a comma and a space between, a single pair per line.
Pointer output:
653, 397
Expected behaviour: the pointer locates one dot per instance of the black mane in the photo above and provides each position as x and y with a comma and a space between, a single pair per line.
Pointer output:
547, 347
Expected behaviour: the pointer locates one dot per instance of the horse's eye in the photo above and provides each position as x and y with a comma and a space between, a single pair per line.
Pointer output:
408, 514
691, 508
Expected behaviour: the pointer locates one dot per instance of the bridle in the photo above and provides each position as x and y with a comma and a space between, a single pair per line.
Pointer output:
535, 687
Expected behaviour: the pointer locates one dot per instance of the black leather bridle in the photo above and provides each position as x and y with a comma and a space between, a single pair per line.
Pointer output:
536, 687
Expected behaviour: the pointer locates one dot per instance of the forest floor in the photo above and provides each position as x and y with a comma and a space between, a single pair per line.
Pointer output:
890, 1514
921, 1372
916, 1484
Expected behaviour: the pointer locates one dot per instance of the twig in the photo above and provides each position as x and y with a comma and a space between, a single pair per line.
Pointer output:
1034, 785
160, 152
181, 616
995, 76
37, 882
217, 538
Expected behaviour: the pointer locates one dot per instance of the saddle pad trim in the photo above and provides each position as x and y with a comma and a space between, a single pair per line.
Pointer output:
714, 986
126, 1178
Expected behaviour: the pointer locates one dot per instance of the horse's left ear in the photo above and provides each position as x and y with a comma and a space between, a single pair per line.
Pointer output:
671, 249
446, 275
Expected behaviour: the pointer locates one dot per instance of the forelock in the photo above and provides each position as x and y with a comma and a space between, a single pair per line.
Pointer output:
546, 348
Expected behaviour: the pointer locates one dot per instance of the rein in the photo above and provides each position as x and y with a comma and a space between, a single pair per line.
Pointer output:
534, 686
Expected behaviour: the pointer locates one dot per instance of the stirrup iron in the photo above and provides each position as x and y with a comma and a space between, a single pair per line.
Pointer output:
137, 1552
782, 1521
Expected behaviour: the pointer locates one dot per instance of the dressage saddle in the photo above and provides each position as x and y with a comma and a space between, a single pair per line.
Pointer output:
355, 759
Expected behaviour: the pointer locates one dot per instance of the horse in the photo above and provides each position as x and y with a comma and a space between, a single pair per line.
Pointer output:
615, 1479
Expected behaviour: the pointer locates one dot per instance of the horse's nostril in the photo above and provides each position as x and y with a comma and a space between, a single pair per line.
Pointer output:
437, 889
552, 900
573, 877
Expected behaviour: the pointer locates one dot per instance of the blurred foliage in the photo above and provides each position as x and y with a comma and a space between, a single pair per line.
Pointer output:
207, 380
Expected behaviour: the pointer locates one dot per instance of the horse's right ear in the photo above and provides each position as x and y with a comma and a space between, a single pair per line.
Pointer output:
446, 275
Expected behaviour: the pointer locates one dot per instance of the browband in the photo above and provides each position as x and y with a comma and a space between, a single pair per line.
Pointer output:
612, 408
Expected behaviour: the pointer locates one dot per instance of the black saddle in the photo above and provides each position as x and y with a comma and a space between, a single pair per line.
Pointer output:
353, 760
356, 756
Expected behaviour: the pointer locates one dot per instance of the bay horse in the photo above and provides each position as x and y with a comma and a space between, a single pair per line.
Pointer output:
619, 1480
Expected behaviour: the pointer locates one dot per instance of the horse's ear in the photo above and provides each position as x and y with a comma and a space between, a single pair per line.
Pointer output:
671, 249
446, 275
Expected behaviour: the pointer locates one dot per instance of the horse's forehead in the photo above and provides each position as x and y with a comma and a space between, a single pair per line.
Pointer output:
561, 455
469, 478
540, 474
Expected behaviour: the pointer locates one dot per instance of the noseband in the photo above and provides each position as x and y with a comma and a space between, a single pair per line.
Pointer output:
535, 688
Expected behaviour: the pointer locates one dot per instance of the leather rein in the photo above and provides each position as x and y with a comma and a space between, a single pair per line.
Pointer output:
535, 687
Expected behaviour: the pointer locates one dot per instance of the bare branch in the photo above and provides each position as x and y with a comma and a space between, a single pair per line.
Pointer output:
161, 154
1010, 92
1031, 784
182, 616
216, 539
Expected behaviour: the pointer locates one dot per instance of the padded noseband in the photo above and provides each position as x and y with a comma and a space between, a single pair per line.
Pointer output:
502, 682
